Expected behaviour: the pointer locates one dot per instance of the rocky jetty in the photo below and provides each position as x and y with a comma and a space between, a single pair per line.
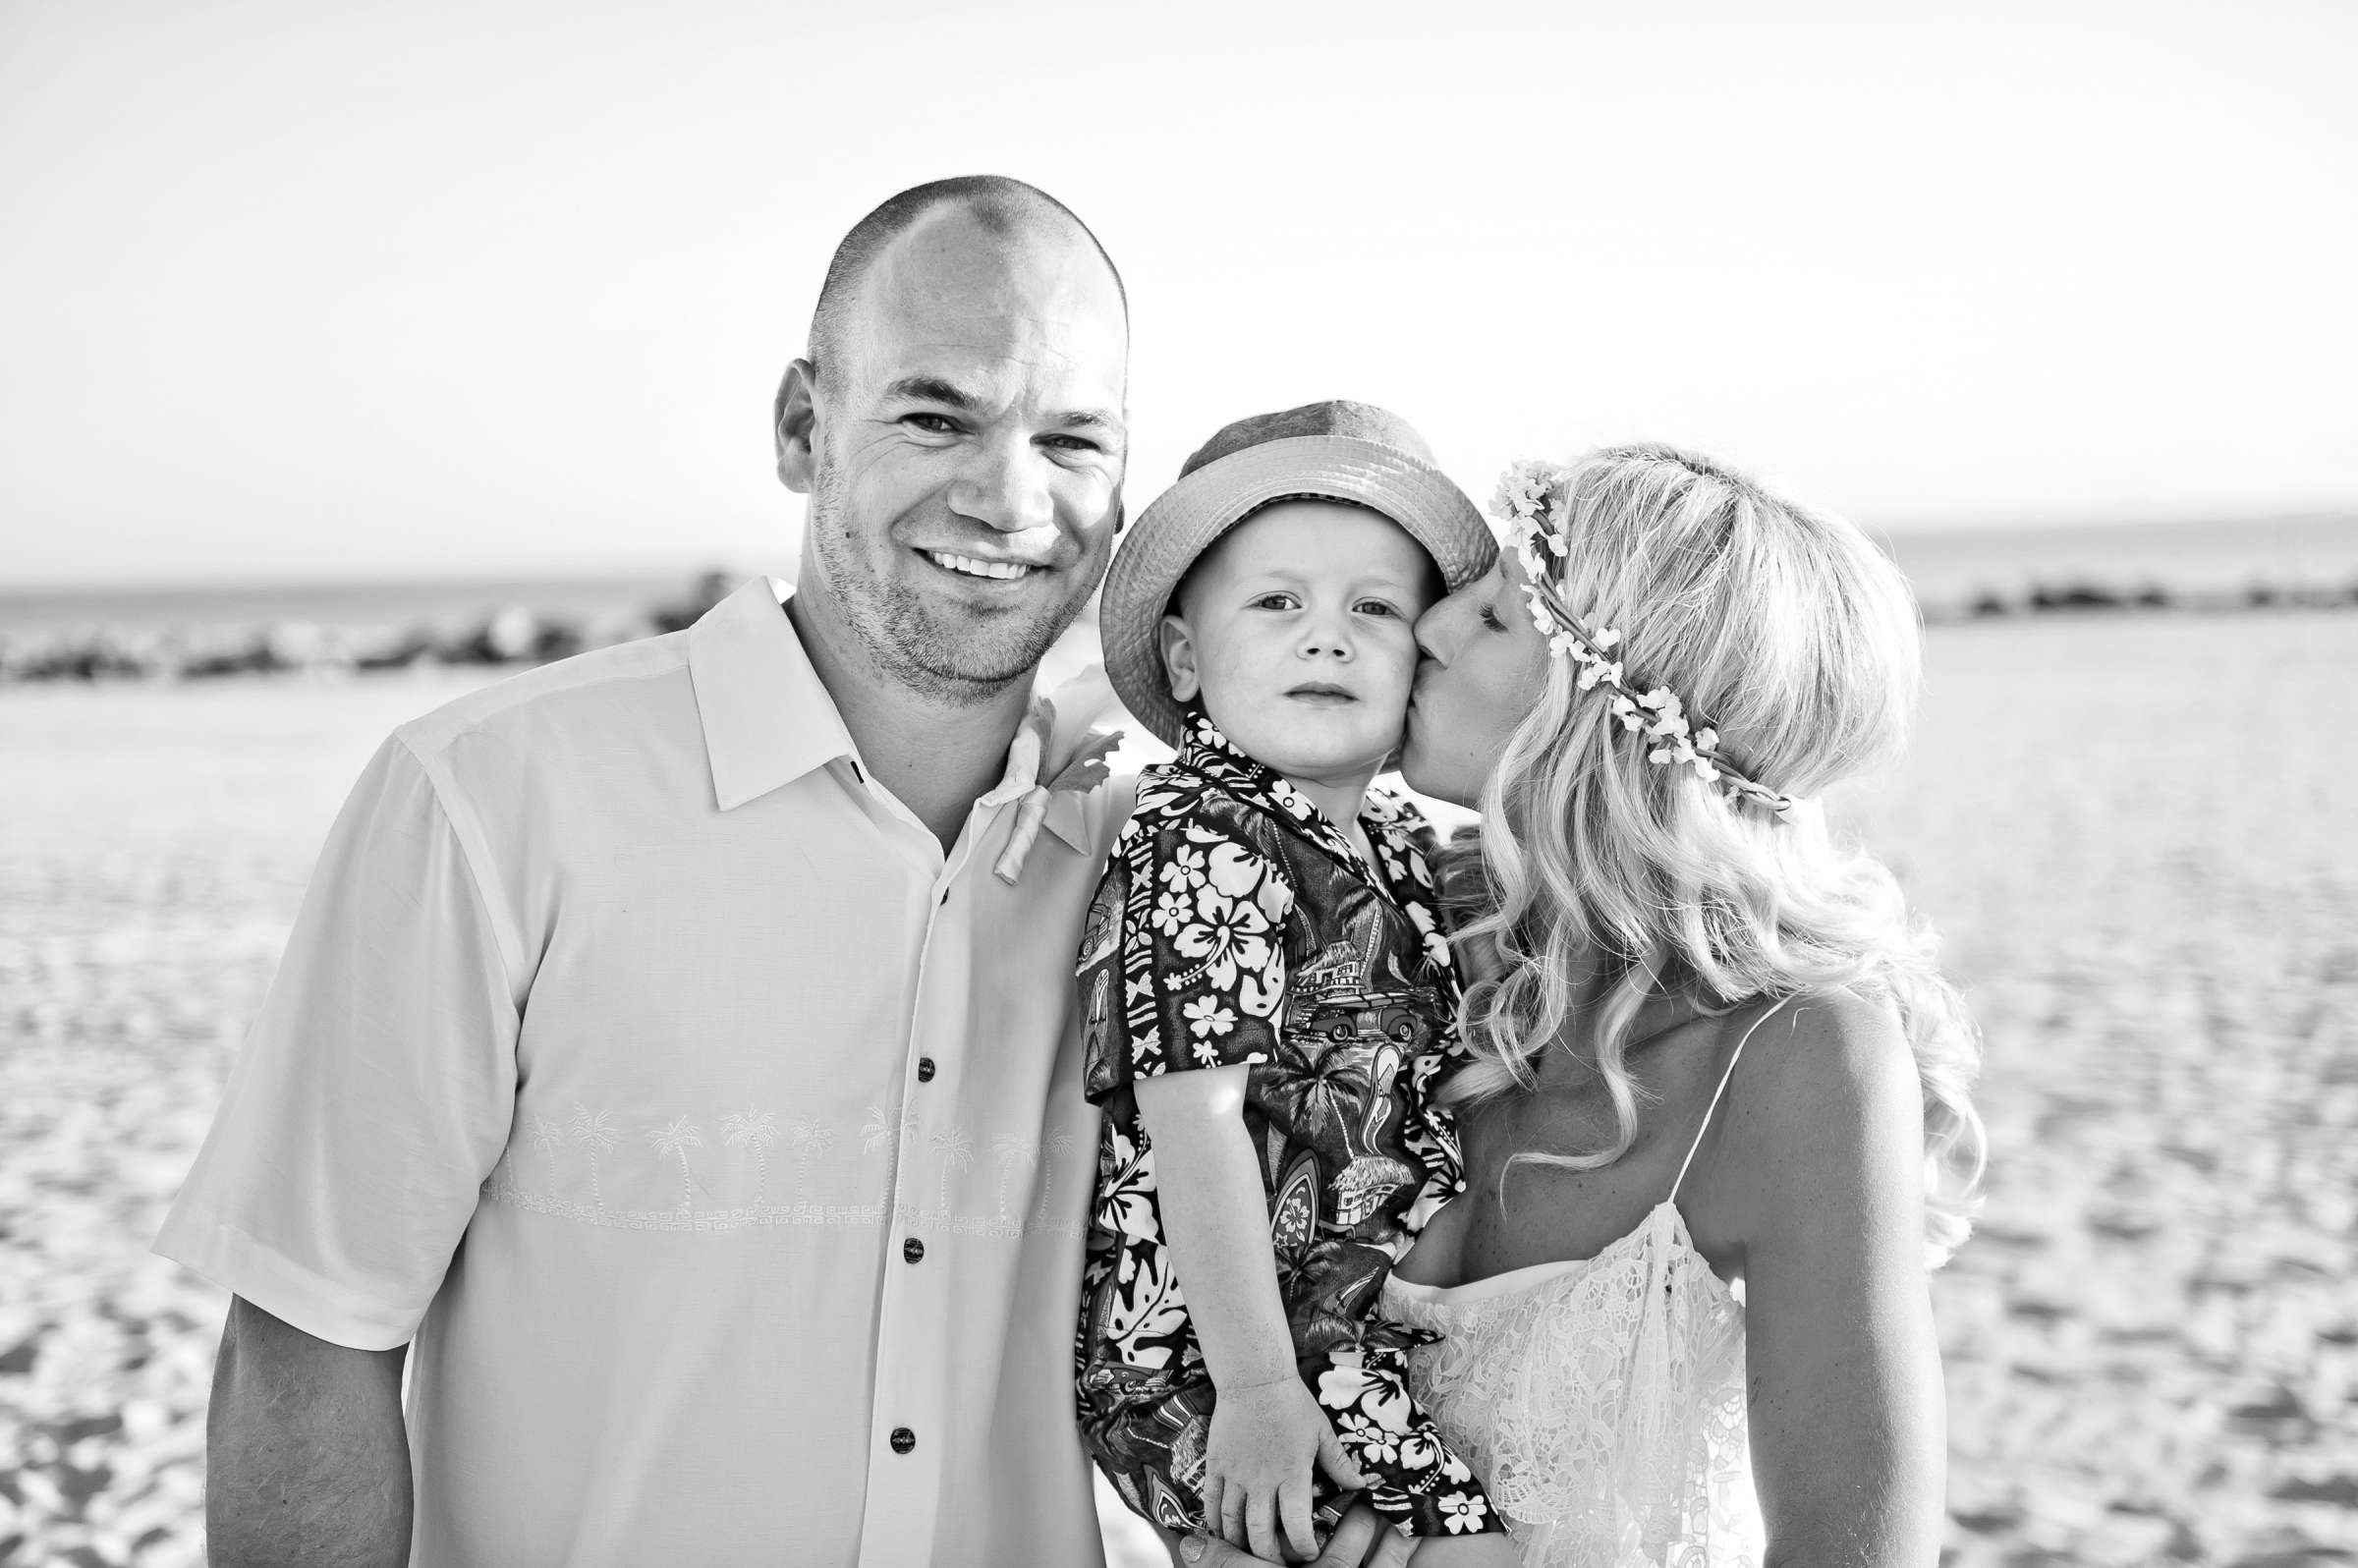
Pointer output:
508, 637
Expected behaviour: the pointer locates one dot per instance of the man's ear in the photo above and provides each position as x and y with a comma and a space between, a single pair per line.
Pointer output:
1179, 657
794, 423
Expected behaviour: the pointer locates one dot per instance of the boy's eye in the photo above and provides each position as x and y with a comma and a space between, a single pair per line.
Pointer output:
1276, 601
1375, 607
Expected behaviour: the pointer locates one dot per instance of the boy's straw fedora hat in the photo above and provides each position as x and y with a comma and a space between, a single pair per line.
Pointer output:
1335, 451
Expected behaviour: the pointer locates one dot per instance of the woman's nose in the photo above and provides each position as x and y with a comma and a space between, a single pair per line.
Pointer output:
1430, 628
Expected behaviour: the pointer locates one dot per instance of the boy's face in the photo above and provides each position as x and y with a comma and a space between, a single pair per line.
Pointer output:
1297, 627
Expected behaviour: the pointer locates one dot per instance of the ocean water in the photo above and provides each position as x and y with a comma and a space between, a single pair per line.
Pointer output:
1950, 568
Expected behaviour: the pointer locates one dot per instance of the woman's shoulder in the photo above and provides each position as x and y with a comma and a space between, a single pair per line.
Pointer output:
1825, 1081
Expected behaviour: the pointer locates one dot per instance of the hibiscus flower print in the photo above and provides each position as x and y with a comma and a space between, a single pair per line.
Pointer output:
1369, 1442
1235, 870
1207, 1019
1344, 1382
1462, 1512
1226, 937
1182, 871
1437, 946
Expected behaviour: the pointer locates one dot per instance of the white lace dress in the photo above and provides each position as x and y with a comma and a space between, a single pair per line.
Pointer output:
1601, 1400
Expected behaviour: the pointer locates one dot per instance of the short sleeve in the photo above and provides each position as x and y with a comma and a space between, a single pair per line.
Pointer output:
1198, 961
377, 1088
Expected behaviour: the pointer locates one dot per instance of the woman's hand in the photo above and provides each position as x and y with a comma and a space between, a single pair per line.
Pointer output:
1256, 1468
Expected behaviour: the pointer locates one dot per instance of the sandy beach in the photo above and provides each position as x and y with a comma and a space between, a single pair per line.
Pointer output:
2135, 832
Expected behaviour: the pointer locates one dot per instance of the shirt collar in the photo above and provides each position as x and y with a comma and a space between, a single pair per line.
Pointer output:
768, 718
1210, 752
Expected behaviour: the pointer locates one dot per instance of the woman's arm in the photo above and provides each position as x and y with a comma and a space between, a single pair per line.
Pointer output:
1267, 1429
1824, 1144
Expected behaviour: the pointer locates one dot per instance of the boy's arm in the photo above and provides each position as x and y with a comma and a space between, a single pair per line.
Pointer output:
1266, 1430
1215, 1215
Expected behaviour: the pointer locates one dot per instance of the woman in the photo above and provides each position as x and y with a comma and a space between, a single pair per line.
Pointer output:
1717, 1122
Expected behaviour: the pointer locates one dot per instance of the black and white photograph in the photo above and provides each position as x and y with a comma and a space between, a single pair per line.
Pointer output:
1505, 786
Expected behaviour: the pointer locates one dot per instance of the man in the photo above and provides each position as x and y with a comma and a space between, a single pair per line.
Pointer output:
656, 1055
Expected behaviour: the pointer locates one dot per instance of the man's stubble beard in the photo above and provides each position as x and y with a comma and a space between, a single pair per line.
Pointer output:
955, 663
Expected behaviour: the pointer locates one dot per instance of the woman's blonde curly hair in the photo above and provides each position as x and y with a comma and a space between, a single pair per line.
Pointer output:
1792, 635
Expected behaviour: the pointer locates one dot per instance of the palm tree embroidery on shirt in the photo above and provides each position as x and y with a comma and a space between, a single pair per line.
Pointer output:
756, 1130
1059, 1145
955, 1149
676, 1139
595, 1131
812, 1138
597, 1134
1011, 1151
546, 1136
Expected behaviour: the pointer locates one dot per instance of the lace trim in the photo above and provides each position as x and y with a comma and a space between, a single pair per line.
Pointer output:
1603, 1405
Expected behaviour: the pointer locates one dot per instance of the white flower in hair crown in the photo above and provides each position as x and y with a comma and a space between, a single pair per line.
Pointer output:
1529, 505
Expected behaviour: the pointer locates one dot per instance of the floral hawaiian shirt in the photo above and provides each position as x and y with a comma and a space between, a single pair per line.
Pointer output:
1237, 926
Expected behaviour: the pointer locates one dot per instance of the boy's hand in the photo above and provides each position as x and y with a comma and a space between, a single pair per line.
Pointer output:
1257, 1469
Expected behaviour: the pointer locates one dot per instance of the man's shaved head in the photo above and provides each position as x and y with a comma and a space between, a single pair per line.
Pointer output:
960, 427
998, 204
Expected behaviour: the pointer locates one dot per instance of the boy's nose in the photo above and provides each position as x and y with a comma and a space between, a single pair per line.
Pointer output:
1326, 641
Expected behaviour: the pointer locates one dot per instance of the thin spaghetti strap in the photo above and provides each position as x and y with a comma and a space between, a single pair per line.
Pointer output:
1713, 1106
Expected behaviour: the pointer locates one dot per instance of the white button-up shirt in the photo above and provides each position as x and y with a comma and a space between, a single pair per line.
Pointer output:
719, 1141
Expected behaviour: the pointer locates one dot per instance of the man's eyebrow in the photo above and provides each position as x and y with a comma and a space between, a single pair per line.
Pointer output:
1091, 420
929, 389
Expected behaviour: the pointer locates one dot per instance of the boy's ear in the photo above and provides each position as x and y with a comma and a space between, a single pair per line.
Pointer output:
1179, 657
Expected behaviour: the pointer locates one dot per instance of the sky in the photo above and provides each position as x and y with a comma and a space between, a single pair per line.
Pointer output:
313, 291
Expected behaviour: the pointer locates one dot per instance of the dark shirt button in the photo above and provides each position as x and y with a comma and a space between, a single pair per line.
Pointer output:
925, 1069
912, 1251
903, 1440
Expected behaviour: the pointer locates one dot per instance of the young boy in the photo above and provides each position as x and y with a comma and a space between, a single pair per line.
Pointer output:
1269, 999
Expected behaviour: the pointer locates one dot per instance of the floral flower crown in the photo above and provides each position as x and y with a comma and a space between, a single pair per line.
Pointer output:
1529, 506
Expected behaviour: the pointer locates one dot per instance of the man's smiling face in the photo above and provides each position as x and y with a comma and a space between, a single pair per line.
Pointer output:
968, 447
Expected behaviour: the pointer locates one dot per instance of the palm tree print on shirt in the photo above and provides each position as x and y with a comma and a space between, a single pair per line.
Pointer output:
756, 1130
546, 1136
677, 1137
956, 1152
1010, 1150
1056, 1148
880, 1130
812, 1138
595, 1131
